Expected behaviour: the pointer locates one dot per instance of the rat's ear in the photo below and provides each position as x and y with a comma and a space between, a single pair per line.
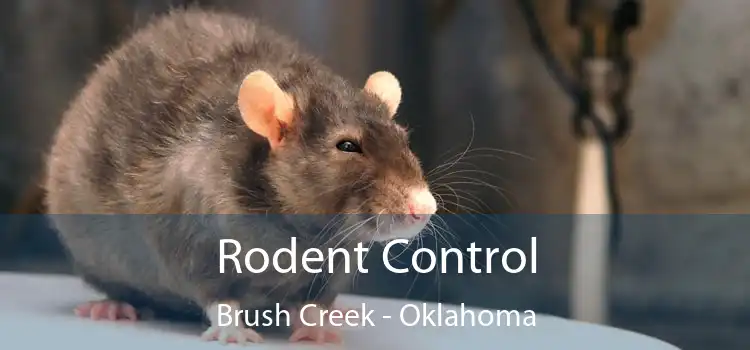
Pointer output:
386, 87
265, 108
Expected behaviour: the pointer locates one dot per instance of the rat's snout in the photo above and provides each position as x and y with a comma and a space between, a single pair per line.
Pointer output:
421, 204
411, 217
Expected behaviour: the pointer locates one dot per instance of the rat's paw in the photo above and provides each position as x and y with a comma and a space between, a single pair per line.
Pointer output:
227, 335
317, 334
106, 310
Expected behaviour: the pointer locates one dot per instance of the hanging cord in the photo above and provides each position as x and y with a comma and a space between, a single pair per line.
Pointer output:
603, 69
613, 49
539, 41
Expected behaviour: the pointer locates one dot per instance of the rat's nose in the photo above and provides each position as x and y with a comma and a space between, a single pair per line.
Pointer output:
422, 204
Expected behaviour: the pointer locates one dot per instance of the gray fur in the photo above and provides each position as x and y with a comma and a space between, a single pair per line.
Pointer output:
156, 135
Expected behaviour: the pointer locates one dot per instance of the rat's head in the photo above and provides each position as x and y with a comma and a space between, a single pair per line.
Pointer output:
342, 153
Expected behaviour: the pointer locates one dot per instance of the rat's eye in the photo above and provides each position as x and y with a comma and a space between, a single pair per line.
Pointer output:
348, 146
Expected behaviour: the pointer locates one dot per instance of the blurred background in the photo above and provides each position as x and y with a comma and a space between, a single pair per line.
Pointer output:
470, 74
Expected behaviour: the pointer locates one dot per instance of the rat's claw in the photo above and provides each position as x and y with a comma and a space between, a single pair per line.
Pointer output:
225, 335
106, 310
324, 333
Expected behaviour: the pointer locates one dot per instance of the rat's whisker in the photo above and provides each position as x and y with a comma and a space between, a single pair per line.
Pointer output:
471, 153
367, 253
486, 229
392, 258
420, 244
441, 232
331, 225
438, 272
448, 186
461, 155
476, 182
283, 280
469, 197
470, 171
344, 217
343, 231
463, 253
344, 239
460, 206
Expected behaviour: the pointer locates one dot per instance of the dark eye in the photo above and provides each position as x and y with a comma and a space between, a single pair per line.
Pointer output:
348, 146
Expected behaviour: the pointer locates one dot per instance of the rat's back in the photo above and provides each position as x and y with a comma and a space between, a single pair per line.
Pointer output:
116, 148
155, 110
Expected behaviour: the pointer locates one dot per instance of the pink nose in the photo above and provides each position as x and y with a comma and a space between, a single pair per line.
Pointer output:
422, 204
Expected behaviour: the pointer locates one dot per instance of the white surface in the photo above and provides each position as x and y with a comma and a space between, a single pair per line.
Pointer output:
36, 313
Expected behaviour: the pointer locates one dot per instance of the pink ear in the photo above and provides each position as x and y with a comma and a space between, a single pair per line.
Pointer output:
386, 87
264, 107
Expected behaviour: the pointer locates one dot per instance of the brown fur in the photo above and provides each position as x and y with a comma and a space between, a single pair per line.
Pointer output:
157, 131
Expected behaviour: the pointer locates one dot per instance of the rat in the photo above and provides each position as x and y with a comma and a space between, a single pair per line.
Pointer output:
204, 126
